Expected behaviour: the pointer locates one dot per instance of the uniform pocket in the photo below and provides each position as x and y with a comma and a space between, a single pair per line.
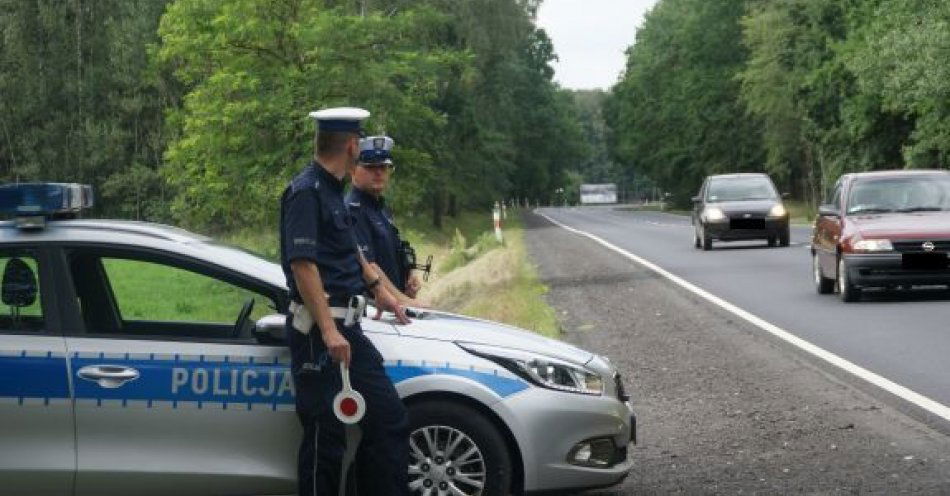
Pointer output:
339, 219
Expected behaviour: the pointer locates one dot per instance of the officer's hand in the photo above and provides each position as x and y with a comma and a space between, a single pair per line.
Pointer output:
413, 285
337, 346
386, 301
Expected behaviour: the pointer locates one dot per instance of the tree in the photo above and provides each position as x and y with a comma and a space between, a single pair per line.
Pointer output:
676, 114
78, 98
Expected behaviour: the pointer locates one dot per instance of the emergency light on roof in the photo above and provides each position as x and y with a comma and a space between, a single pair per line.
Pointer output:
32, 203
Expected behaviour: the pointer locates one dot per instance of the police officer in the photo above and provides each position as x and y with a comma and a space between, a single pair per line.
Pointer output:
375, 228
325, 274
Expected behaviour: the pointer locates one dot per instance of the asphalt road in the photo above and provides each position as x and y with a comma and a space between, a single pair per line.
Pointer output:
902, 336
724, 407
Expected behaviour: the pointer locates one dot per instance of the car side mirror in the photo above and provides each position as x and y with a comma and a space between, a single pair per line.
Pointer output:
827, 211
786, 195
697, 199
271, 329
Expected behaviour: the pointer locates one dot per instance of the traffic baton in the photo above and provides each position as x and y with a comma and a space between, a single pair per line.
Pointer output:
349, 407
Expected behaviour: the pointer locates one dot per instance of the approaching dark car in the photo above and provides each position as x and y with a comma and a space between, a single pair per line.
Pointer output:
739, 207
883, 229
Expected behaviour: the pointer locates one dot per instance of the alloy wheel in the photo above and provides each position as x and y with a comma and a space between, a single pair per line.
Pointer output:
445, 461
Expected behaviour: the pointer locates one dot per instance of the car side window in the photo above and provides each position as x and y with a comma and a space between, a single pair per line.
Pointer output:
21, 309
836, 196
146, 298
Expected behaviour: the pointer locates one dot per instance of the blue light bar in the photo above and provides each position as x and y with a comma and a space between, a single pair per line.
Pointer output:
44, 200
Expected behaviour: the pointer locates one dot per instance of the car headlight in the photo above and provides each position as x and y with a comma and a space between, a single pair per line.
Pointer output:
778, 211
541, 370
873, 245
714, 214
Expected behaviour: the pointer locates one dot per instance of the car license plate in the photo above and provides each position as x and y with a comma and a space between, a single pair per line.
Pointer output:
925, 261
747, 224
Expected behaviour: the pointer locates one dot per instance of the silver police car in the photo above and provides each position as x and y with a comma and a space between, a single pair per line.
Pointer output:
108, 385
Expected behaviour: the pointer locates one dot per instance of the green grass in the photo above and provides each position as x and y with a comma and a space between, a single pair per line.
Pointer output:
519, 300
148, 291
801, 212
498, 283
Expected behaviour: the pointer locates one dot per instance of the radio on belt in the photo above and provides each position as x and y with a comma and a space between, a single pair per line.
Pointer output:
32, 204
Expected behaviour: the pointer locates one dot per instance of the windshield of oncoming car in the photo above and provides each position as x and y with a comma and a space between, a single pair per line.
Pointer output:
740, 189
900, 194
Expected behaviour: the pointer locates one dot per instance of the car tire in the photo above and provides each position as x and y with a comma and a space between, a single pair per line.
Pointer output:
847, 291
453, 422
772, 241
785, 239
823, 285
707, 241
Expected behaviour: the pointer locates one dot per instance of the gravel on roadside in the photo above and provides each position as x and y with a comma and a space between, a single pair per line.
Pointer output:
722, 407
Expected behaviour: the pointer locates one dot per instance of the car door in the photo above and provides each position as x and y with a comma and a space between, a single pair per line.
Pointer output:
169, 398
37, 437
827, 232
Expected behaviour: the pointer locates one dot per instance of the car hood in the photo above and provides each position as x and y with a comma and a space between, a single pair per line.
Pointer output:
916, 225
750, 206
444, 326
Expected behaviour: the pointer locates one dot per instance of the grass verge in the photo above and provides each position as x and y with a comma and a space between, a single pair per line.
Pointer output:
499, 284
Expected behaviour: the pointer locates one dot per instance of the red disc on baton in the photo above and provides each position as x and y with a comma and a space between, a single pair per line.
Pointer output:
348, 405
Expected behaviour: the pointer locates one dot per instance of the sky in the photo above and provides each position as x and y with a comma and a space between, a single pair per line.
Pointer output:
590, 37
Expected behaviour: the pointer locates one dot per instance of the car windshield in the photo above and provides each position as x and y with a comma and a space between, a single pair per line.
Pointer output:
900, 194
740, 189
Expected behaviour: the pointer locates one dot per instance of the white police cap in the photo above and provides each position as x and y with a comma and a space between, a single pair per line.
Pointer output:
376, 150
340, 119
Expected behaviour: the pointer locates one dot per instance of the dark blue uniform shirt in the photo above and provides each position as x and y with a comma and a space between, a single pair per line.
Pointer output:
376, 234
315, 226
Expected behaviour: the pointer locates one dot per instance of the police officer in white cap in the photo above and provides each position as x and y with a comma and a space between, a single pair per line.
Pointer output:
326, 275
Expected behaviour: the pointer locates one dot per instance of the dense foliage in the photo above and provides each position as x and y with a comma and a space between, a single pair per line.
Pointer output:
802, 89
79, 100
196, 110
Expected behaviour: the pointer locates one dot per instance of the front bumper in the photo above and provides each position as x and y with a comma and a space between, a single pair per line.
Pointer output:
733, 230
549, 425
890, 269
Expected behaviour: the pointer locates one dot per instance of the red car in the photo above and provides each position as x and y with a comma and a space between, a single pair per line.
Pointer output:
883, 229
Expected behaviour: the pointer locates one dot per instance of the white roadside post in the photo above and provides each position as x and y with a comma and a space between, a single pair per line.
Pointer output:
504, 211
496, 217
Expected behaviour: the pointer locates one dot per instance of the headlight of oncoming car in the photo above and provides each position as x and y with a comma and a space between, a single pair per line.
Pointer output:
778, 211
873, 245
714, 214
544, 371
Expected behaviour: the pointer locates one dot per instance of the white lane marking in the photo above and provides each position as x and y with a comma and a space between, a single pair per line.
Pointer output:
918, 399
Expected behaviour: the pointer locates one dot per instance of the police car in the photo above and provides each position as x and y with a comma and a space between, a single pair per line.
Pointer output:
114, 381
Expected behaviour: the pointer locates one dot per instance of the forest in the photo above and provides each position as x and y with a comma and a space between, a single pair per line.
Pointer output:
194, 112
805, 90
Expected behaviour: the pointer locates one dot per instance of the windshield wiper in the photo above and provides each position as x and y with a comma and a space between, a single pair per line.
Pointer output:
921, 209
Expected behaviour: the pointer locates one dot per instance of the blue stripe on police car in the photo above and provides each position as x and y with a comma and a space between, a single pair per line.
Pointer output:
207, 380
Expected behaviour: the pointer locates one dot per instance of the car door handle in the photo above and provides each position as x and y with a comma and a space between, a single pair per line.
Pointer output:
108, 376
